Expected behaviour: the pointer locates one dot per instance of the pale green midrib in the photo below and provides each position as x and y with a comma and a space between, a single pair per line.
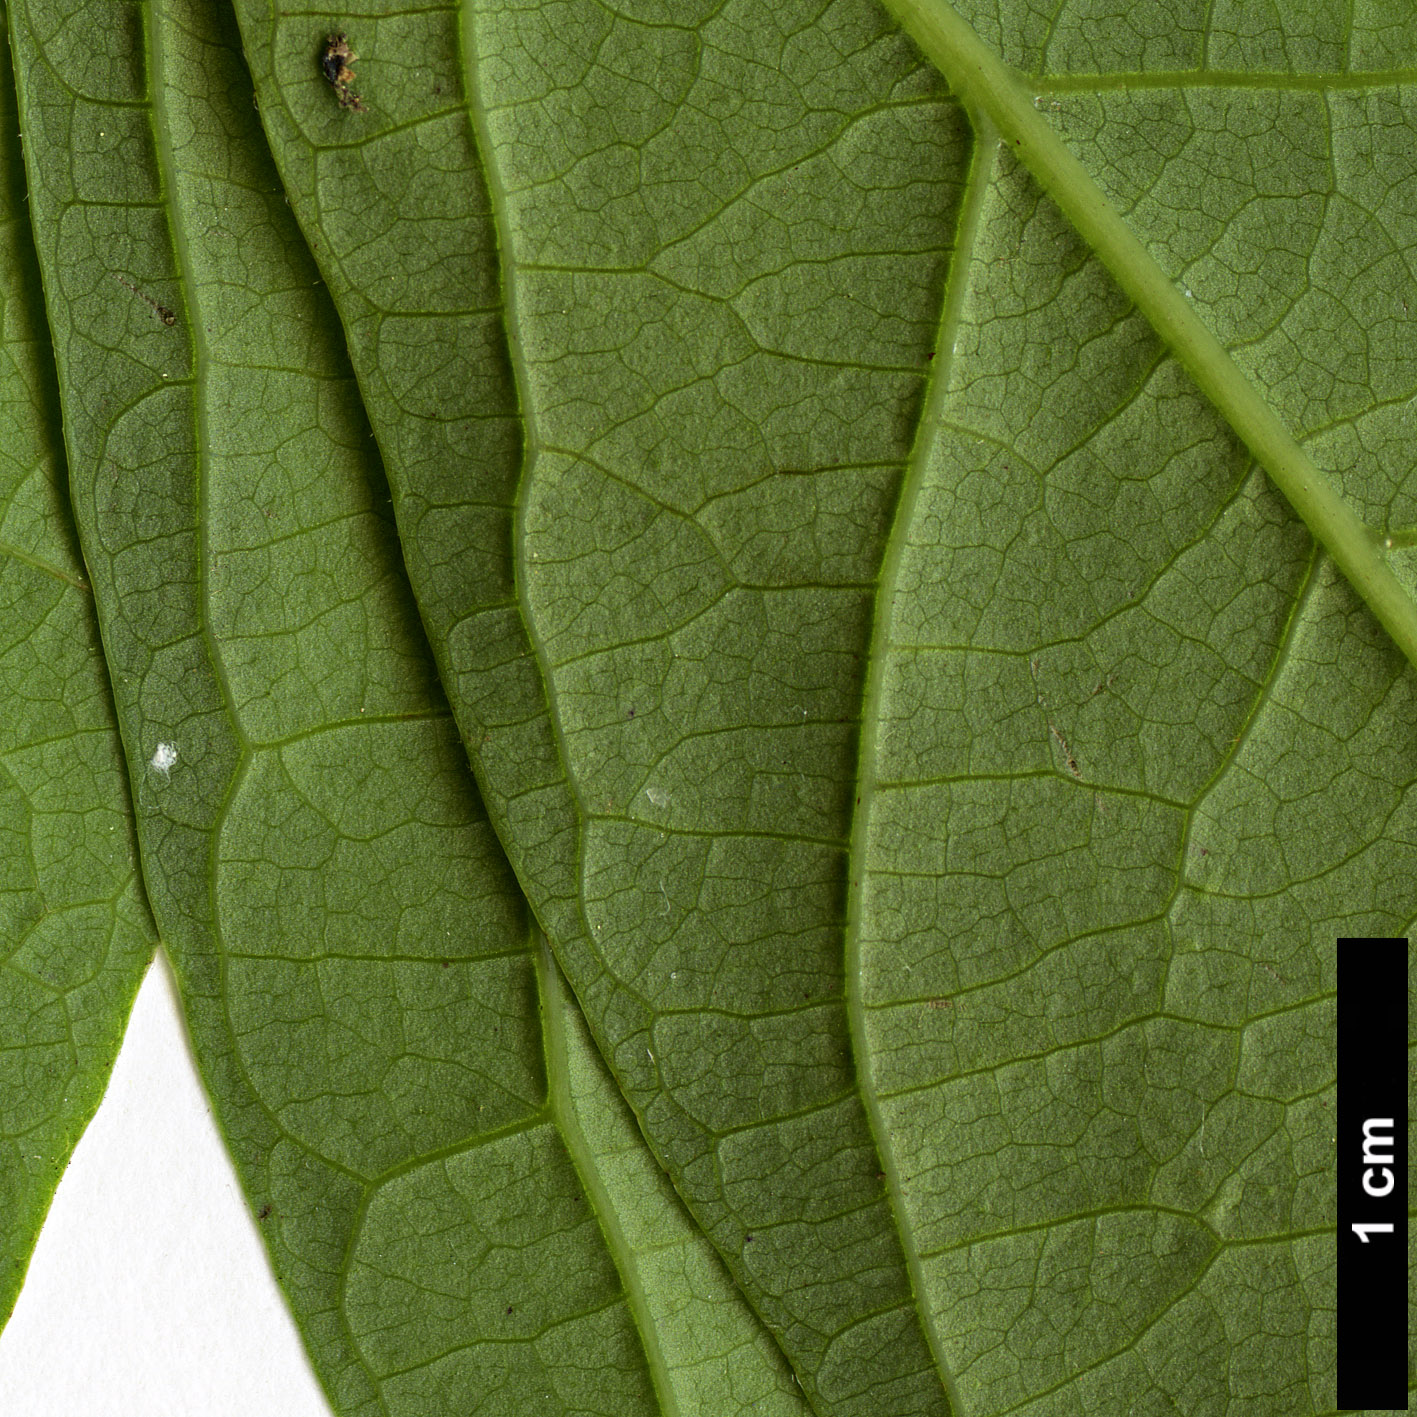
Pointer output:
555, 1024
957, 287
994, 93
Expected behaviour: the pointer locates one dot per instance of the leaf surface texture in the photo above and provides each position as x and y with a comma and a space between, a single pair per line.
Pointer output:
937, 756
356, 960
75, 933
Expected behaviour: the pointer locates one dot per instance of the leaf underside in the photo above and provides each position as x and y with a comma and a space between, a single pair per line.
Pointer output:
938, 759
75, 933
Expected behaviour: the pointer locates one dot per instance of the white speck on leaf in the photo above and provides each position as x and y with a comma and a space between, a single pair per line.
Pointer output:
164, 758
658, 796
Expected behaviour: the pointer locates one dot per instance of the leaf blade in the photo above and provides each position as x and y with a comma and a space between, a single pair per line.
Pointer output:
1043, 683
354, 956
983, 81
825, 1323
75, 926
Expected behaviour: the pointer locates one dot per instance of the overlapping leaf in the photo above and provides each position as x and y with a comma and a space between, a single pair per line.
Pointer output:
1096, 639
74, 929
356, 961
660, 693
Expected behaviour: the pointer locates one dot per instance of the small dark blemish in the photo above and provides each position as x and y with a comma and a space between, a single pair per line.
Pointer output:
337, 65
631, 714
163, 313
509, 1308
264, 1211
334, 60
1068, 757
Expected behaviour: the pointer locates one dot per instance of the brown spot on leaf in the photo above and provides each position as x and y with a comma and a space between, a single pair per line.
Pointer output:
163, 313
337, 65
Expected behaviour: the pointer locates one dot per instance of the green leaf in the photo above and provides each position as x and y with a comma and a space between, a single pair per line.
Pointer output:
705, 682
1110, 809
995, 97
938, 756
75, 934
717, 373
355, 959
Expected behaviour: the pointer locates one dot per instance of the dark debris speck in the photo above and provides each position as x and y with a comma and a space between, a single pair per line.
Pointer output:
337, 65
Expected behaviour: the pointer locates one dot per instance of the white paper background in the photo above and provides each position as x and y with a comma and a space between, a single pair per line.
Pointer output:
149, 1294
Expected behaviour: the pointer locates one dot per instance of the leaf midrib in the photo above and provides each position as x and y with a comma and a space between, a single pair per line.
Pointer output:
561, 1110
996, 94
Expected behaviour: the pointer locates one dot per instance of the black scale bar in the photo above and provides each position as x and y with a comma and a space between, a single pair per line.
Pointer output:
1372, 1174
